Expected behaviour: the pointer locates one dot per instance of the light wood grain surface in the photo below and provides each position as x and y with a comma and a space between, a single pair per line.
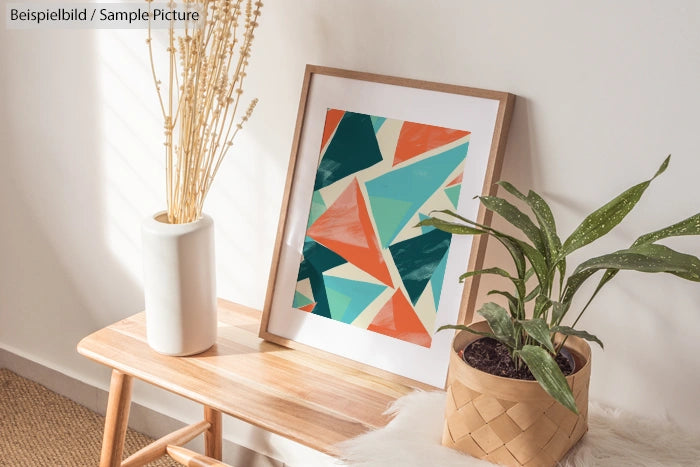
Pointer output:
308, 398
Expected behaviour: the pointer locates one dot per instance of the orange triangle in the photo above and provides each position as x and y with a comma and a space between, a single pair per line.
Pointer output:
418, 138
398, 319
333, 117
457, 180
346, 229
308, 308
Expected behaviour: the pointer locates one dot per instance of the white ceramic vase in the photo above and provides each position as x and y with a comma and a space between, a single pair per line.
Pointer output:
179, 285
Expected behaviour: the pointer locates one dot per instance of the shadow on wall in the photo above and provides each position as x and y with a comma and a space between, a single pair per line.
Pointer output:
60, 279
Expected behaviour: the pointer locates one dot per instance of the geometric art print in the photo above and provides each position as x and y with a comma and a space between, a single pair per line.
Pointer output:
364, 263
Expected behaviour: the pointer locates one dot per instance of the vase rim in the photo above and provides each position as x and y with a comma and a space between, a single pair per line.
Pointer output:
164, 214
153, 223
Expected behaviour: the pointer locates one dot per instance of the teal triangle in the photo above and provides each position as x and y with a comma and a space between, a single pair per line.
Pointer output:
425, 228
377, 122
353, 148
387, 213
417, 260
300, 300
348, 298
338, 303
318, 207
437, 279
414, 184
452, 192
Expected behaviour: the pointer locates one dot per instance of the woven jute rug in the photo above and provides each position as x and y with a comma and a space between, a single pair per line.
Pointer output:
41, 428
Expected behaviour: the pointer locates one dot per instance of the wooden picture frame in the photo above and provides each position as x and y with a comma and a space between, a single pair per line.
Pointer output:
351, 276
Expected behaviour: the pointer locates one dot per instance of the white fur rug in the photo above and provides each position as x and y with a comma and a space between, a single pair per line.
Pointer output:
614, 439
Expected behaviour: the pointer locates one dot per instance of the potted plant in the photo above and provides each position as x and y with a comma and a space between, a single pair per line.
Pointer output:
200, 101
514, 421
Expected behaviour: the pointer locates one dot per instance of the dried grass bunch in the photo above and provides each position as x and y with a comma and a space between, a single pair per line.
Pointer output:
207, 68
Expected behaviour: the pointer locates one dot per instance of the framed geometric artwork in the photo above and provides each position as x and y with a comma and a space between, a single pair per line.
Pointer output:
351, 274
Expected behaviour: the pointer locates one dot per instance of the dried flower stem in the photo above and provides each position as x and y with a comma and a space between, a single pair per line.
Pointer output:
202, 99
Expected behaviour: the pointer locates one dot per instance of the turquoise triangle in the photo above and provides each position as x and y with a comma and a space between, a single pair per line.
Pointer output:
388, 213
377, 122
348, 298
452, 192
318, 207
300, 300
413, 184
426, 228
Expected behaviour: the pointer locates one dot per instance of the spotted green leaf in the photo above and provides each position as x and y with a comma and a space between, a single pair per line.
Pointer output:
569, 331
645, 258
543, 214
462, 327
689, 226
449, 227
547, 373
500, 323
516, 217
542, 304
538, 329
605, 218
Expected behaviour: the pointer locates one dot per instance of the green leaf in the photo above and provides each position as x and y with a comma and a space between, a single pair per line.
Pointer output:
515, 252
537, 261
542, 304
516, 217
500, 322
457, 216
645, 258
689, 226
573, 283
538, 329
605, 218
642, 258
449, 227
519, 284
547, 373
512, 190
534, 293
544, 216
569, 331
517, 248
512, 300
529, 274
558, 311
462, 327
674, 262
496, 271
545, 219
510, 243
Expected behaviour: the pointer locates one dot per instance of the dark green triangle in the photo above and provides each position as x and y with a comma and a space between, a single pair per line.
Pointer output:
417, 259
318, 258
353, 148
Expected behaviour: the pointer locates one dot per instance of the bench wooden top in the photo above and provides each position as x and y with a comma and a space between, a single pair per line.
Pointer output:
309, 398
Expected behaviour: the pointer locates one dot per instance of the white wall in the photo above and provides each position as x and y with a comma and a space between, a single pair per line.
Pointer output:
605, 90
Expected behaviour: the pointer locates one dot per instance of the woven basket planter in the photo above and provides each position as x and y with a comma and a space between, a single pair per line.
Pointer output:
508, 421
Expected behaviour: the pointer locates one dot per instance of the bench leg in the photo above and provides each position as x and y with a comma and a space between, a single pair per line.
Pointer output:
213, 436
117, 419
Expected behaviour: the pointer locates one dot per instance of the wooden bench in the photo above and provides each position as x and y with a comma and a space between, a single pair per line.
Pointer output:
313, 399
